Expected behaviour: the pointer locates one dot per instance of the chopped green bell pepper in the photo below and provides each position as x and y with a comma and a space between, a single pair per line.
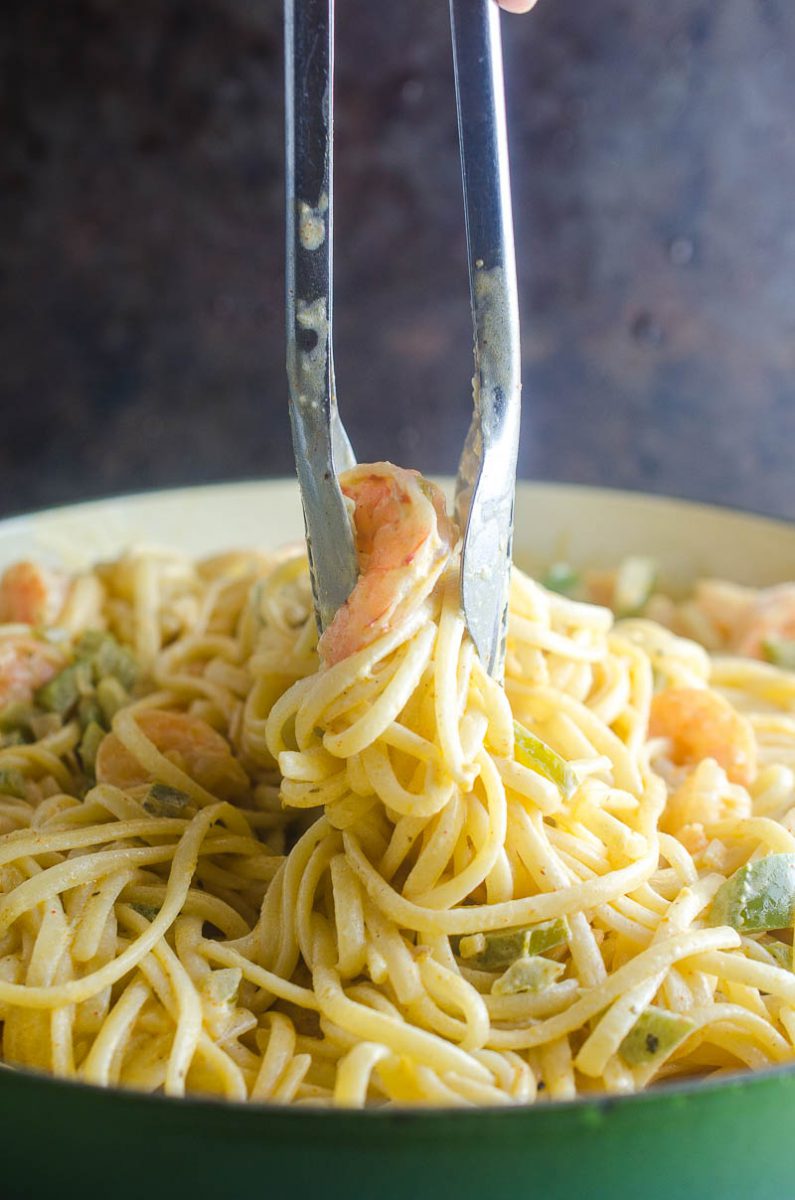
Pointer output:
531, 974
497, 950
165, 801
759, 896
12, 783
16, 717
89, 712
653, 1036
149, 911
561, 578
529, 751
63, 691
781, 952
780, 652
111, 696
89, 745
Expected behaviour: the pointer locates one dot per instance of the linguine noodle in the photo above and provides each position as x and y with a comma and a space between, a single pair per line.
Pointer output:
276, 880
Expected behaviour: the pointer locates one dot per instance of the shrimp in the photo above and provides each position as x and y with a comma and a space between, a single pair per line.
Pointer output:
725, 605
701, 724
403, 539
25, 665
31, 595
705, 797
187, 741
770, 617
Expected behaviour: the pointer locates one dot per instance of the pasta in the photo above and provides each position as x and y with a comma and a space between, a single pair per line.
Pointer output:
229, 866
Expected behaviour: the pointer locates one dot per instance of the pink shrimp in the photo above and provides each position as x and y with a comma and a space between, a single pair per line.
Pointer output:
701, 724
31, 595
25, 665
705, 797
187, 741
403, 539
726, 606
771, 616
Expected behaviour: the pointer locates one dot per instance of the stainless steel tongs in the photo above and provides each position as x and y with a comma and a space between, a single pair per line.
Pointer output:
486, 479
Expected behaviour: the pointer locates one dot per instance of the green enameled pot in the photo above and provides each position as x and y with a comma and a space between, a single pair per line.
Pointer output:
734, 1138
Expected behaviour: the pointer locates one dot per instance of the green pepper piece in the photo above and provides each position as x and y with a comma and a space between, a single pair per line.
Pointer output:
16, 717
89, 643
45, 723
761, 895
15, 738
149, 911
113, 659
111, 696
635, 580
497, 950
165, 801
89, 712
529, 751
531, 974
106, 657
561, 578
780, 652
653, 1036
61, 693
12, 783
89, 745
64, 690
781, 952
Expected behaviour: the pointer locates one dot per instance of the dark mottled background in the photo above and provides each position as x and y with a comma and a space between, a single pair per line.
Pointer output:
141, 243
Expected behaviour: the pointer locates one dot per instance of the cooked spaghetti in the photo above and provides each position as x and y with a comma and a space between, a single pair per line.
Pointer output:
231, 865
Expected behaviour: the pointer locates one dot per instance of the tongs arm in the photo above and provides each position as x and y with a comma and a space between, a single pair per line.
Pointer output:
487, 472
486, 481
321, 447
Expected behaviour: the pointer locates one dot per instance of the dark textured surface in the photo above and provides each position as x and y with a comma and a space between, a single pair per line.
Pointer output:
141, 243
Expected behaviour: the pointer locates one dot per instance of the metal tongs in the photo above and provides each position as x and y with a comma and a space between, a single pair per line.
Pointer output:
486, 480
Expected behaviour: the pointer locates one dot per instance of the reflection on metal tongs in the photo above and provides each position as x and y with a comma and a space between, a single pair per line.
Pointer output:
319, 439
487, 472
